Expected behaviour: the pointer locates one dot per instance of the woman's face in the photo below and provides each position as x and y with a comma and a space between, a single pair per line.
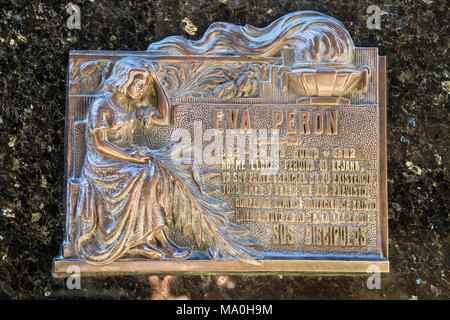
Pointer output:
138, 86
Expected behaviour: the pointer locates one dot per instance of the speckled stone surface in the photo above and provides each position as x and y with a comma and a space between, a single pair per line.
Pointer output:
34, 46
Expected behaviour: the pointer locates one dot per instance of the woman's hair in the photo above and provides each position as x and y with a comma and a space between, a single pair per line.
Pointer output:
122, 73
155, 97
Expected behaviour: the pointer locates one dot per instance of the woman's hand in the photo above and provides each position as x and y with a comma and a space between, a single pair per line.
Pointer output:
140, 156
146, 115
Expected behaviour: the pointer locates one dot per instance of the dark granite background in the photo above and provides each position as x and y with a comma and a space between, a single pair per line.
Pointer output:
34, 46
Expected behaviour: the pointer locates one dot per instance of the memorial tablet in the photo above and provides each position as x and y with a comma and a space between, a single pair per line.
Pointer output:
250, 150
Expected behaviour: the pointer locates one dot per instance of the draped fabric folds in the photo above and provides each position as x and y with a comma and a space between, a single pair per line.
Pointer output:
116, 204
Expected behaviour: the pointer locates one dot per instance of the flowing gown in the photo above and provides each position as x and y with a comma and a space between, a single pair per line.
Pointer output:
115, 206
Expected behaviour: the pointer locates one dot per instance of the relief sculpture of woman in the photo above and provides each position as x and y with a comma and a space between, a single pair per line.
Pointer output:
130, 194
119, 217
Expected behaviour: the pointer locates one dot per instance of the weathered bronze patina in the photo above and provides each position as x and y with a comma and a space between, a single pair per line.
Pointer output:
250, 150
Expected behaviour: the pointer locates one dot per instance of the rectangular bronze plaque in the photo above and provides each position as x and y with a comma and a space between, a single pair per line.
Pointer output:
254, 150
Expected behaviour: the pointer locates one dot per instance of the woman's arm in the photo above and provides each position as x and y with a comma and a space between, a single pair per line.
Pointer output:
163, 118
149, 117
104, 147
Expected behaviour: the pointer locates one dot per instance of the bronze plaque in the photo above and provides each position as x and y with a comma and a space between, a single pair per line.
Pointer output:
251, 150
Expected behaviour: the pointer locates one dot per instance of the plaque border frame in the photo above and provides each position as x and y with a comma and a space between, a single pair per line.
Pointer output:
307, 266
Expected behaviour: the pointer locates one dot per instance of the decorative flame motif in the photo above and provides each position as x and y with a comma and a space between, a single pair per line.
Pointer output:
314, 36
